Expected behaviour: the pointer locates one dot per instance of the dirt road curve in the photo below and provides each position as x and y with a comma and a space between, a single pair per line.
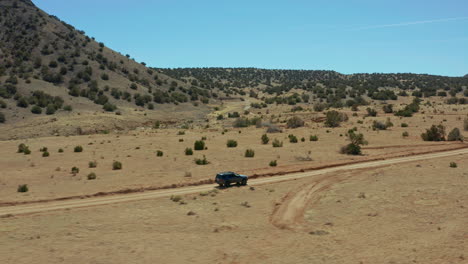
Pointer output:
68, 204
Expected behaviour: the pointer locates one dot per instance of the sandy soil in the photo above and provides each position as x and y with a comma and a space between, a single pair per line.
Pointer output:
406, 213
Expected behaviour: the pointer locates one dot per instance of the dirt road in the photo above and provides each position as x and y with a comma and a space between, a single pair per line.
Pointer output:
69, 204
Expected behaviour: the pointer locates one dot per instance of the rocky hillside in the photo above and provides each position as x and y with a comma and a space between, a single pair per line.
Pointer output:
48, 67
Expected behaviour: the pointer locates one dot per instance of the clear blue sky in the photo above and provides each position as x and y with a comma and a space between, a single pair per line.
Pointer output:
349, 36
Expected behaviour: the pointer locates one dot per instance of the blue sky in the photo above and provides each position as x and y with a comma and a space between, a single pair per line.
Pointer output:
349, 36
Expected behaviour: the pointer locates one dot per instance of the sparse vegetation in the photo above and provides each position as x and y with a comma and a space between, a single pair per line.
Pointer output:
75, 170
117, 165
313, 138
273, 163
405, 134
45, 154
159, 153
188, 151
78, 149
277, 144
354, 148
92, 164
265, 139
334, 118
453, 165
231, 143
199, 145
295, 122
23, 188
249, 153
203, 161
292, 138
435, 133
91, 176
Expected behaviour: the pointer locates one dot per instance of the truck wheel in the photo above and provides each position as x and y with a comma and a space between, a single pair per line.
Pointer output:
244, 182
227, 184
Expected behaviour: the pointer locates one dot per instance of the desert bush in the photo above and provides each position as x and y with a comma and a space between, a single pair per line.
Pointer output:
109, 107
23, 188
78, 149
388, 108
292, 138
435, 133
334, 118
377, 125
188, 151
3, 104
203, 161
319, 107
354, 148
273, 163
233, 115
36, 110
92, 164
45, 154
294, 122
159, 153
75, 170
176, 198
60, 150
105, 76
453, 165
277, 144
199, 145
273, 129
465, 123
117, 165
388, 123
249, 153
22, 102
68, 108
22, 147
231, 143
371, 112
405, 134
265, 139
92, 176
404, 125
313, 138
455, 135
50, 110
2, 118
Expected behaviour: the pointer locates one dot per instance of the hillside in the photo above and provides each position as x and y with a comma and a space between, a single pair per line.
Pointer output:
47, 67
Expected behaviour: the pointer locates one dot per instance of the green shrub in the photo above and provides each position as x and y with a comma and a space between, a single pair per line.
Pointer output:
78, 149
453, 165
159, 153
249, 153
60, 150
75, 170
92, 164
273, 163
231, 143
404, 125
388, 108
455, 135
43, 149
45, 154
203, 161
23, 188
117, 165
68, 108
3, 104
351, 149
334, 118
27, 151
50, 110
313, 138
265, 139
354, 147
181, 133
220, 117
277, 144
109, 107
199, 145
405, 134
36, 110
2, 118
435, 133
295, 122
105, 77
292, 138
377, 125
371, 112
188, 151
465, 122
22, 147
92, 176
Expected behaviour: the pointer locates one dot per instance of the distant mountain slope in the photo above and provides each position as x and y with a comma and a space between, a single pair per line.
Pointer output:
46, 65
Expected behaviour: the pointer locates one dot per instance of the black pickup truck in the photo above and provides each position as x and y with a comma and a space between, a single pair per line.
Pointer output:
226, 178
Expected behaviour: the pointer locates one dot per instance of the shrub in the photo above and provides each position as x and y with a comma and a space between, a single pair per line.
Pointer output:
2, 118
319, 107
68, 108
465, 123
220, 117
50, 110
75, 170
388, 108
109, 107
22, 102
302, 139
45, 154
199, 145
294, 122
249, 153
92, 176
159, 153
188, 151
405, 134
231, 143
388, 123
435, 133
3, 104
351, 149
371, 112
377, 125
277, 144
273, 163
453, 164
233, 115
92, 164
292, 138
117, 165
273, 129
23, 188
36, 110
334, 118
203, 161
404, 125
455, 135
105, 76
354, 147
176, 198
313, 138
60, 150
78, 149
265, 139
22, 147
